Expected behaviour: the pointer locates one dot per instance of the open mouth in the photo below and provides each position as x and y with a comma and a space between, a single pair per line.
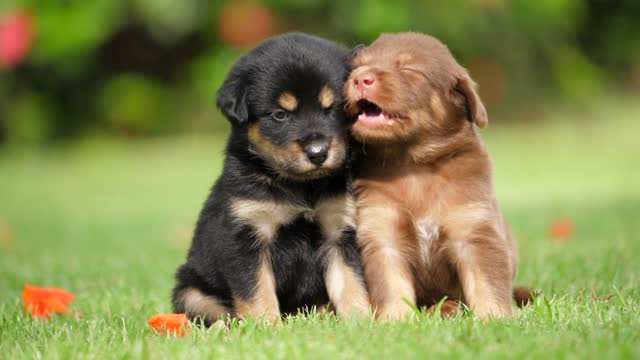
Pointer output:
373, 115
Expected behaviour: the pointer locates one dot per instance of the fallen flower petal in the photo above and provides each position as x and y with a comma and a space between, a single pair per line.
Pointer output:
41, 302
170, 324
562, 229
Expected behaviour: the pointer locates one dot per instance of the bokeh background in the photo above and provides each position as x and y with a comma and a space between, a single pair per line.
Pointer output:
140, 68
110, 142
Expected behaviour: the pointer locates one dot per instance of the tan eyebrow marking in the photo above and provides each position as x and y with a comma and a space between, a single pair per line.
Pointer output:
288, 101
326, 97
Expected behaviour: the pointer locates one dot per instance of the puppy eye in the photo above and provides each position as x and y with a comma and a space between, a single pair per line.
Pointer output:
280, 115
413, 70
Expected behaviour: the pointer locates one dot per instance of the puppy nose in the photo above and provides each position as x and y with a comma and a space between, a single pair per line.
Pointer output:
364, 81
317, 151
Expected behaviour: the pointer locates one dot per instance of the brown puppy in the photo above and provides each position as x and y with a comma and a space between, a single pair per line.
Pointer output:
427, 218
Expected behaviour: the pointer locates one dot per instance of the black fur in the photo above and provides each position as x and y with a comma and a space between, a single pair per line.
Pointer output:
223, 258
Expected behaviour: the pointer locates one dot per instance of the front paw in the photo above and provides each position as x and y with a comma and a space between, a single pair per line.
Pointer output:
360, 309
259, 309
489, 311
395, 312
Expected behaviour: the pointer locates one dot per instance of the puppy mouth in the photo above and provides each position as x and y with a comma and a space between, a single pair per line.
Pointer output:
372, 115
317, 173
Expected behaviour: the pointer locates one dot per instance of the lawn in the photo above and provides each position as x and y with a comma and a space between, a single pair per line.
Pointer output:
110, 220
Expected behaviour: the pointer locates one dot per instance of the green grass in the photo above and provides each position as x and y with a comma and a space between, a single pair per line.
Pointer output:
111, 221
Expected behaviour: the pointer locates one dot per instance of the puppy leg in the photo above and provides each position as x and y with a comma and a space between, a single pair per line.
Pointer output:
198, 305
483, 258
262, 303
345, 288
386, 268
201, 299
524, 295
483, 269
250, 270
345, 285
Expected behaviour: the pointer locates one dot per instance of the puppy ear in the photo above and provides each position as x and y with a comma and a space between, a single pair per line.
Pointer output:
476, 111
355, 51
232, 99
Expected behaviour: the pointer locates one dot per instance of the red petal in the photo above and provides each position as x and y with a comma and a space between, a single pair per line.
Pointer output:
41, 302
170, 323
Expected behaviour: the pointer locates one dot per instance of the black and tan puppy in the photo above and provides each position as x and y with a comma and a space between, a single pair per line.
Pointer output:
276, 233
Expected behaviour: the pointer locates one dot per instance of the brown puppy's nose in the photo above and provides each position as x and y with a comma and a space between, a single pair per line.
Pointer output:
364, 81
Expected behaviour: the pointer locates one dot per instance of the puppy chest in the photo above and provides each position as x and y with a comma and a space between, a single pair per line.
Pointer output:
420, 192
267, 218
417, 192
428, 232
298, 269
264, 217
335, 214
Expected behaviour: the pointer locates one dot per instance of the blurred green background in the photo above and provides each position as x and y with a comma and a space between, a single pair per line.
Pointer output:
139, 68
110, 141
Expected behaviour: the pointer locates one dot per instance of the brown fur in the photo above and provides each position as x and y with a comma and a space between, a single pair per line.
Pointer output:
448, 310
427, 217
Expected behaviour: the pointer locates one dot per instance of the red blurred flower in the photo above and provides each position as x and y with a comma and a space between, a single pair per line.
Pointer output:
170, 324
244, 24
41, 302
17, 31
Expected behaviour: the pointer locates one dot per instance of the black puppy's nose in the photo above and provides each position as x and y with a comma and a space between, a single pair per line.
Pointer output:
317, 151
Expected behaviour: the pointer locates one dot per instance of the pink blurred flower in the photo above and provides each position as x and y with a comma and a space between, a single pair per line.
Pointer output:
17, 32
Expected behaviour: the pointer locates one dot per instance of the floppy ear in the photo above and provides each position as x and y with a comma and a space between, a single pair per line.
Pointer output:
355, 50
476, 111
232, 99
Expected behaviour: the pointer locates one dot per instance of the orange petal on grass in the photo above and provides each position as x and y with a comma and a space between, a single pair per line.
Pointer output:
562, 229
41, 302
170, 324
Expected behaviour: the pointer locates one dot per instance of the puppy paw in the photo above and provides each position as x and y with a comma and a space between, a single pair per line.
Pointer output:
448, 310
488, 311
395, 313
